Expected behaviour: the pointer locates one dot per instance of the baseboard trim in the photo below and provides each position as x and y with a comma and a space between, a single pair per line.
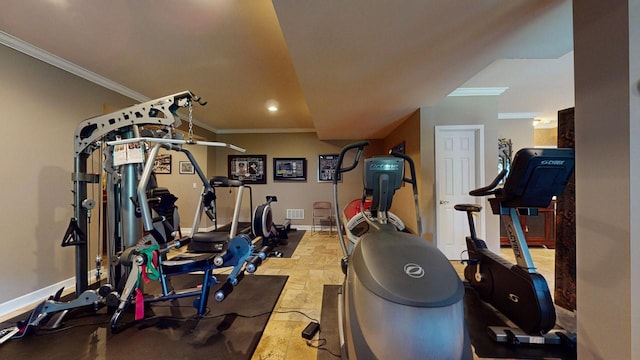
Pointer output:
28, 301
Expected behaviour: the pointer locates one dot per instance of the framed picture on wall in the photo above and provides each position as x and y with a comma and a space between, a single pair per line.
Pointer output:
327, 167
251, 169
185, 167
290, 169
162, 164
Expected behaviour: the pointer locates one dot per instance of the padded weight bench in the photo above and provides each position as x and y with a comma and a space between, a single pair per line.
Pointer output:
208, 242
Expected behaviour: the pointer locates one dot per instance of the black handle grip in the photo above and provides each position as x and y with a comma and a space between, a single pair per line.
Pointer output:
339, 169
412, 166
223, 292
488, 190
227, 288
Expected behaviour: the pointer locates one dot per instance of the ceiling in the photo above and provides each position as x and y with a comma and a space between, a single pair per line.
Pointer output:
345, 69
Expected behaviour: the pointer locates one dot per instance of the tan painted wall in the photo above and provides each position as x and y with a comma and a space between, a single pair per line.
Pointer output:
520, 131
41, 107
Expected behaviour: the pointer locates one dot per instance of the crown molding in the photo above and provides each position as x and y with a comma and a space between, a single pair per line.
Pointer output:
265, 131
482, 91
54, 60
518, 115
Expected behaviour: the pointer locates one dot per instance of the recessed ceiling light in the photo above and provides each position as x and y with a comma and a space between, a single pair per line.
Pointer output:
271, 105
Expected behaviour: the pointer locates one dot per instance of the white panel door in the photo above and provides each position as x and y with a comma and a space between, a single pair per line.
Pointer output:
458, 165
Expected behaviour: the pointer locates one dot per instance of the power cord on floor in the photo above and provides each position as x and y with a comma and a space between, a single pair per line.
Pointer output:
310, 342
296, 311
320, 346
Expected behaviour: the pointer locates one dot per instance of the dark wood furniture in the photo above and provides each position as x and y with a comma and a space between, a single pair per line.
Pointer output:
539, 230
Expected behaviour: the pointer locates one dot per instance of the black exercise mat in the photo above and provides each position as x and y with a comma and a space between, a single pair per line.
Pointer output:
480, 316
294, 237
231, 330
329, 323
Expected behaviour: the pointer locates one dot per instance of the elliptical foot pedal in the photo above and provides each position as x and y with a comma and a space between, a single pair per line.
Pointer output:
516, 336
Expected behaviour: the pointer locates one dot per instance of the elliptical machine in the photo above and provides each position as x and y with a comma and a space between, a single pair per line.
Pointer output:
401, 297
518, 291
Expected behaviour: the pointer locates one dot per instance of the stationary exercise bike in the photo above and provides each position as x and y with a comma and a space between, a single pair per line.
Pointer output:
518, 291
401, 298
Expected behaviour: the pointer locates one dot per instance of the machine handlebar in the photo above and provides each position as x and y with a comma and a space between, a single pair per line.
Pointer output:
339, 169
412, 167
489, 189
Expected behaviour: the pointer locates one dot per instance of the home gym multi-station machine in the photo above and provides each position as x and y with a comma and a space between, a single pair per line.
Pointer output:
138, 236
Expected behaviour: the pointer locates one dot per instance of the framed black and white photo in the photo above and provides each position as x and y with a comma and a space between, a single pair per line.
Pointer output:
162, 164
185, 167
251, 169
290, 169
327, 167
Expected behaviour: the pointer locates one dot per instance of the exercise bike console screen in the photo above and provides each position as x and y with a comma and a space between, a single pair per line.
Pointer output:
536, 176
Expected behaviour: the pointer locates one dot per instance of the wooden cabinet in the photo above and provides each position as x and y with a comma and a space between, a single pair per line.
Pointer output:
538, 230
